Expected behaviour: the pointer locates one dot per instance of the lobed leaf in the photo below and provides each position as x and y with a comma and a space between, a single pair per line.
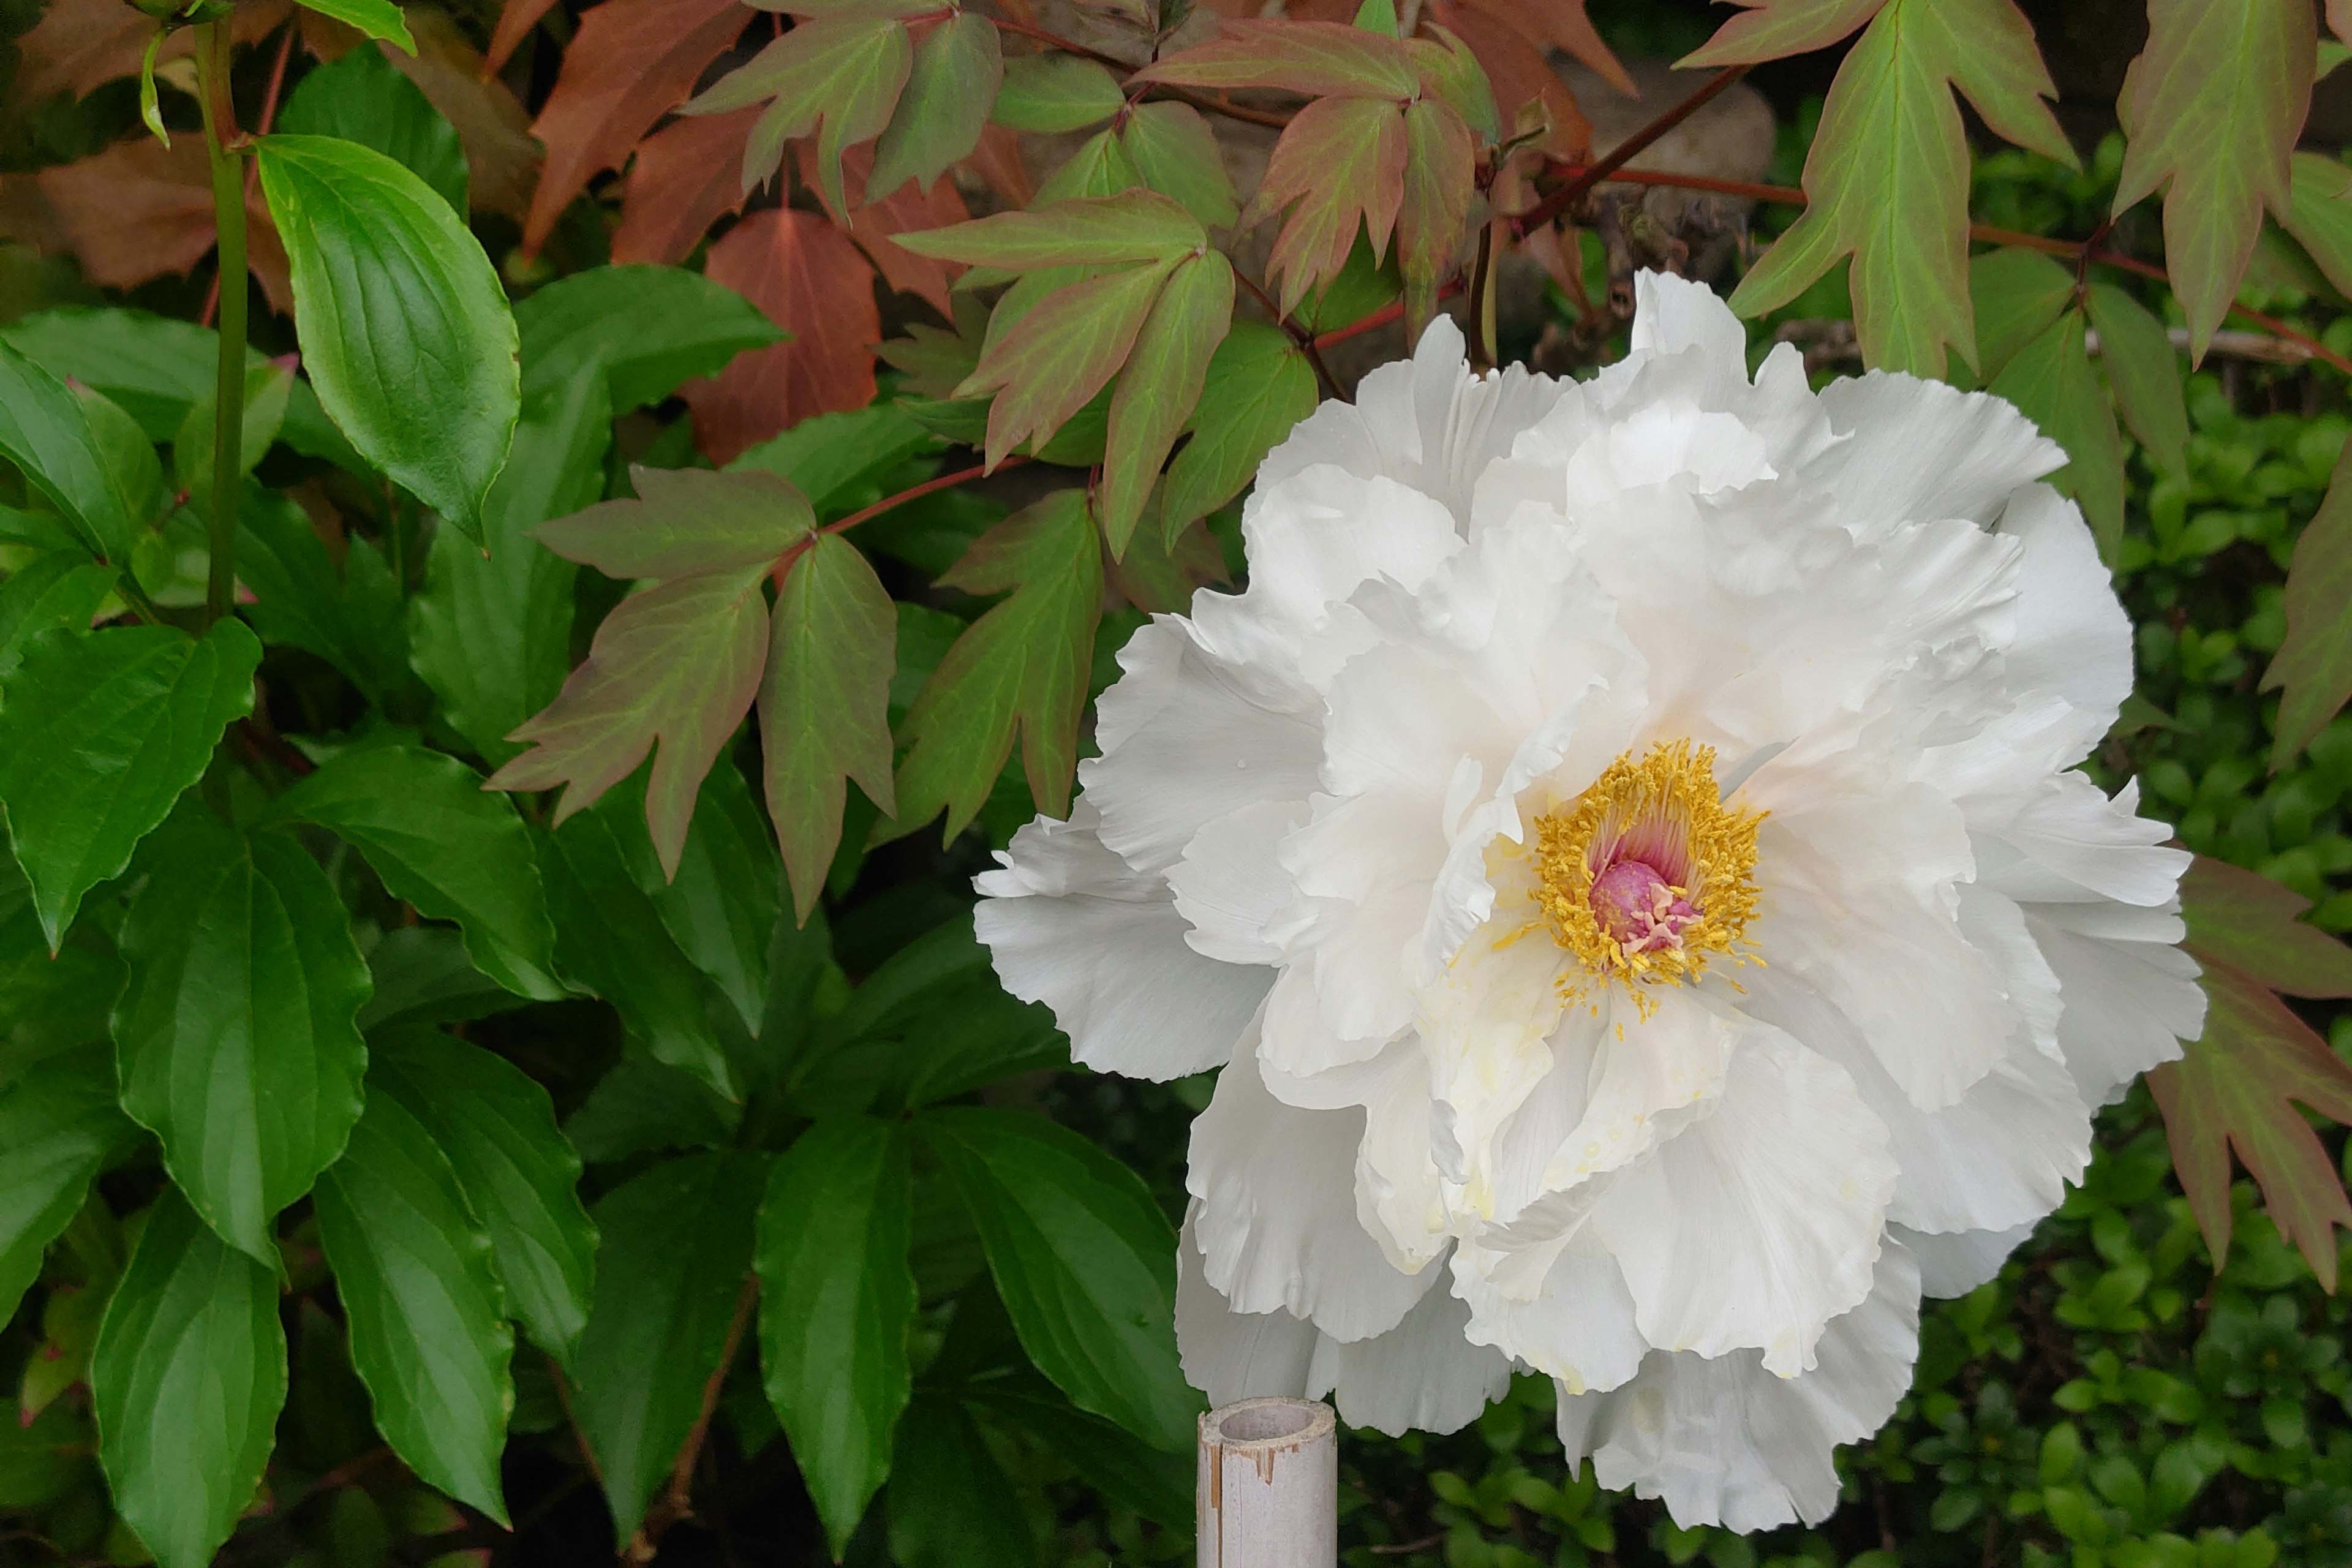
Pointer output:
2211, 108
685, 520
2251, 923
1339, 163
1258, 387
2051, 382
837, 1300
838, 76
1061, 353
948, 87
2016, 293
1088, 231
2318, 216
1450, 72
99, 733
1175, 154
2145, 372
421, 1298
1440, 167
1770, 29
1321, 58
1160, 385
238, 1045
2312, 670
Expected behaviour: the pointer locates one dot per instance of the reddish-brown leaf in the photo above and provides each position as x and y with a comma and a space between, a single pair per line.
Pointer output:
1441, 161
516, 19
1340, 162
139, 210
80, 45
2238, 1088
1324, 58
2245, 919
1563, 25
2339, 19
1517, 71
632, 62
997, 161
684, 180
907, 209
813, 282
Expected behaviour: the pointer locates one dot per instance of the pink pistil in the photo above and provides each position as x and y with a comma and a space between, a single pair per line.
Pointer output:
1640, 909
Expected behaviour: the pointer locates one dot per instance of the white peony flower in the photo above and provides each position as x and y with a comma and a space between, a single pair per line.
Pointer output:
1622, 847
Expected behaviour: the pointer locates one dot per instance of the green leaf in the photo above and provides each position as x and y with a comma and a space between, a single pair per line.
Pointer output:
363, 98
441, 843
1449, 71
2211, 108
642, 1107
1061, 353
2017, 293
187, 1382
520, 1174
1089, 231
59, 590
2051, 381
2312, 668
423, 976
492, 633
58, 1126
427, 1316
1054, 92
45, 432
951, 1505
1440, 167
1023, 666
403, 326
1770, 29
685, 520
670, 1297
1100, 168
353, 618
839, 76
237, 1033
99, 735
839, 461
1176, 154
49, 1004
837, 1301
1160, 386
645, 330
131, 469
719, 903
2146, 374
1337, 170
944, 105
1319, 58
2253, 923
824, 706
1258, 387
2319, 215
376, 18
1887, 178
1156, 1484
611, 939
266, 386
1084, 1259
1377, 16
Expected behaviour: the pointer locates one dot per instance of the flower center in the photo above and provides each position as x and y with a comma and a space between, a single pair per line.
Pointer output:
1647, 874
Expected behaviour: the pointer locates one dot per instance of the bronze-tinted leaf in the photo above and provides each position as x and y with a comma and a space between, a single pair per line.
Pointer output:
1339, 165
2312, 668
685, 179
1326, 58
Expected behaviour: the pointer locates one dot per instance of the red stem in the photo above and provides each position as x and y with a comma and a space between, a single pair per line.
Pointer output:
784, 566
1632, 147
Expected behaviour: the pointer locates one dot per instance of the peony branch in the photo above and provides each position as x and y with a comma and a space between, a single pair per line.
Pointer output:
212, 51
1580, 184
678, 1502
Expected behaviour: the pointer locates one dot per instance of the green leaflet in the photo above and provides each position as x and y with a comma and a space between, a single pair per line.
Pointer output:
719, 903
351, 618
836, 1301
2051, 381
362, 97
423, 975
376, 18
1319, 58
2145, 372
1089, 231
1887, 178
60, 590
2312, 668
132, 472
268, 387
841, 461
1152, 1481
520, 1175
1161, 384
2318, 216
1063, 352
58, 1126
684, 521
444, 844
99, 735
427, 1315
670, 1279
951, 1505
1176, 154
839, 76
944, 105
45, 432
403, 326
49, 1004
1023, 666
237, 1043
1054, 92
1773, 29
824, 706
187, 1381
2016, 293
645, 330
1258, 387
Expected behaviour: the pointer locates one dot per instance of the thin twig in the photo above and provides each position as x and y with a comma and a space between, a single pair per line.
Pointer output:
212, 50
678, 1501
1632, 147
1299, 334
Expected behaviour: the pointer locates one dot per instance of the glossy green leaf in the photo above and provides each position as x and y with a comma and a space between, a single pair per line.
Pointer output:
2312, 668
611, 939
237, 1033
447, 846
45, 432
363, 98
645, 330
642, 1107
2145, 372
99, 735
1176, 154
1256, 387
267, 388
951, 1505
1084, 1260
2212, 109
670, 1282
1133, 225
403, 326
836, 1301
132, 470
1155, 1483
1054, 92
49, 1003
520, 1175
2017, 293
1160, 386
421, 1294
1021, 667
58, 1125
423, 975
352, 618
824, 706
187, 1381
944, 107
1887, 178
376, 18
838, 76
2051, 381
58, 590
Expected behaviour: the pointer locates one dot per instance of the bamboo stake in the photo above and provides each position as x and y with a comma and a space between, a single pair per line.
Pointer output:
1269, 1485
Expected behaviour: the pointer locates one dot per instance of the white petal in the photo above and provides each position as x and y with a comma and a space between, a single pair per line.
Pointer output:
1316, 537
1231, 1355
2071, 831
1276, 1217
1230, 884
2073, 636
1725, 1443
1920, 450
1752, 1228
1072, 925
1673, 314
1578, 1328
1485, 1022
2130, 996
1952, 1266
1652, 1077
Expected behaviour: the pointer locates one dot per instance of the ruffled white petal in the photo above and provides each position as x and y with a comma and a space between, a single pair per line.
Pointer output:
1953, 1264
1917, 451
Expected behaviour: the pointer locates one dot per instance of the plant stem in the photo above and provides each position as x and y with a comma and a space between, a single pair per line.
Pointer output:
212, 53
1632, 147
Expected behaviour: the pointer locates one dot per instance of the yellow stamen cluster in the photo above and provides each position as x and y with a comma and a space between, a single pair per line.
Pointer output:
1666, 809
